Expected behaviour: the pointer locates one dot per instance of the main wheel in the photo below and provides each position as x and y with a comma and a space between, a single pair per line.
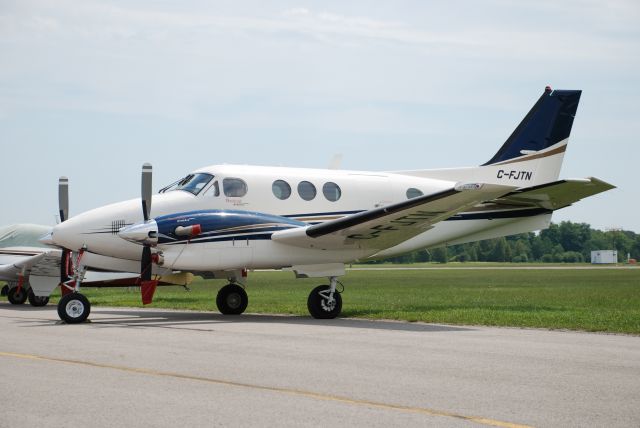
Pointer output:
17, 297
319, 305
73, 308
232, 300
37, 300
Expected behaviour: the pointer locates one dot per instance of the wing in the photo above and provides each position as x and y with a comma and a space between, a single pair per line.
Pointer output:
385, 227
15, 261
555, 195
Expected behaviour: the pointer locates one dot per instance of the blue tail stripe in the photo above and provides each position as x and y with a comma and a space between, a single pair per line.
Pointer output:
547, 123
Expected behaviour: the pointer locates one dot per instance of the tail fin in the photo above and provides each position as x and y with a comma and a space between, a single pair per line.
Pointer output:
532, 154
548, 123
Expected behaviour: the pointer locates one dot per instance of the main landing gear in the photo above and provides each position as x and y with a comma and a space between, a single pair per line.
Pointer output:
17, 295
37, 300
324, 301
232, 299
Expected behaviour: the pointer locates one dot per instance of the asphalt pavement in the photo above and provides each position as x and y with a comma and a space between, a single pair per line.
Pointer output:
146, 367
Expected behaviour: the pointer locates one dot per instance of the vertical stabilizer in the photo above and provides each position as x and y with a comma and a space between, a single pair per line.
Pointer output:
547, 124
534, 151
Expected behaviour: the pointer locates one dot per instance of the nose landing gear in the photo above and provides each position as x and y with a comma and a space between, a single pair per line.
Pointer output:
74, 307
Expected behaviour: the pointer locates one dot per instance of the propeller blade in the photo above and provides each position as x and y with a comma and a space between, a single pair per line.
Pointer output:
63, 198
145, 264
147, 286
147, 173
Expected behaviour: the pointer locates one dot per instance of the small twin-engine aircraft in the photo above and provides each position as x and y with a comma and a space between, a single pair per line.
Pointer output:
223, 220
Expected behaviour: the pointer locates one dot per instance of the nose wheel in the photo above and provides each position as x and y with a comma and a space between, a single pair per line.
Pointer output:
73, 308
232, 300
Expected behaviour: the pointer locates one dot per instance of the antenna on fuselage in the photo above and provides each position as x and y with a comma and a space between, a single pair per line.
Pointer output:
336, 161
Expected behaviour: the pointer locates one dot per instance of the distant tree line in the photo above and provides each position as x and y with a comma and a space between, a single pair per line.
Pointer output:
566, 242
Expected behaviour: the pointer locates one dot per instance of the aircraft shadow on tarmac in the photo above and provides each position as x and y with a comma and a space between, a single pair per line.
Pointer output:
134, 317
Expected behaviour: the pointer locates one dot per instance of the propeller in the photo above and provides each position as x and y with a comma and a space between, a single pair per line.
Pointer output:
63, 209
147, 286
145, 190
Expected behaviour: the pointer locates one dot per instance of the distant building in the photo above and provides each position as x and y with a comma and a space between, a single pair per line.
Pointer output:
604, 257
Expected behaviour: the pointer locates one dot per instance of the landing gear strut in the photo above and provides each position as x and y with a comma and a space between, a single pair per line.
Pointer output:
232, 300
324, 301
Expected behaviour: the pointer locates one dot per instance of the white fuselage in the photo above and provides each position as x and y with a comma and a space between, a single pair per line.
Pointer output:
359, 191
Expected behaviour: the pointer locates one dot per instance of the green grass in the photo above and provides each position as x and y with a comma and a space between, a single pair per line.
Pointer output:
592, 300
484, 264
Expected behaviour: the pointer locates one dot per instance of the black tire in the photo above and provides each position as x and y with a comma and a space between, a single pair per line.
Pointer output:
232, 300
4, 290
74, 308
17, 297
37, 300
319, 307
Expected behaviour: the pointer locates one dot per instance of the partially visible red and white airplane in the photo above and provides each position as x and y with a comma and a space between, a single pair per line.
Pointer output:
27, 264
225, 219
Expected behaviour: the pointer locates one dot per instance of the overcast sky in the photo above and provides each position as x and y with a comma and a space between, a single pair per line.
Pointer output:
92, 89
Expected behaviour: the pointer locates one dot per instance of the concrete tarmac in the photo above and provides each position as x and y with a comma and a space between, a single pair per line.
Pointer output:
146, 367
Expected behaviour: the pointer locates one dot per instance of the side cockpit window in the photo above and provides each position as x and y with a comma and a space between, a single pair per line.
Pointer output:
192, 183
234, 187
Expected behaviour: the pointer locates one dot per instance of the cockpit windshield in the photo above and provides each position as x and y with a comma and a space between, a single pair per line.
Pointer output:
192, 183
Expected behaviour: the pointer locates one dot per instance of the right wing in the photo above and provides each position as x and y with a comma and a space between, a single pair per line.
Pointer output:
385, 227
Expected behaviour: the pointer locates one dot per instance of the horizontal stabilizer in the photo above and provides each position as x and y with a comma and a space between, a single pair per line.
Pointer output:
555, 195
385, 227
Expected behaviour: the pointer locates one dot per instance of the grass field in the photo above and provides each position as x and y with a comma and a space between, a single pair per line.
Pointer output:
593, 300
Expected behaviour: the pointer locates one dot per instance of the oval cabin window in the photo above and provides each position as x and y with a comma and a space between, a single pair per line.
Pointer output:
306, 190
331, 191
281, 189
234, 187
414, 193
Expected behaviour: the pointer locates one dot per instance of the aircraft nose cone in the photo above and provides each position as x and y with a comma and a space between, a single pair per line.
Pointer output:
141, 233
63, 235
